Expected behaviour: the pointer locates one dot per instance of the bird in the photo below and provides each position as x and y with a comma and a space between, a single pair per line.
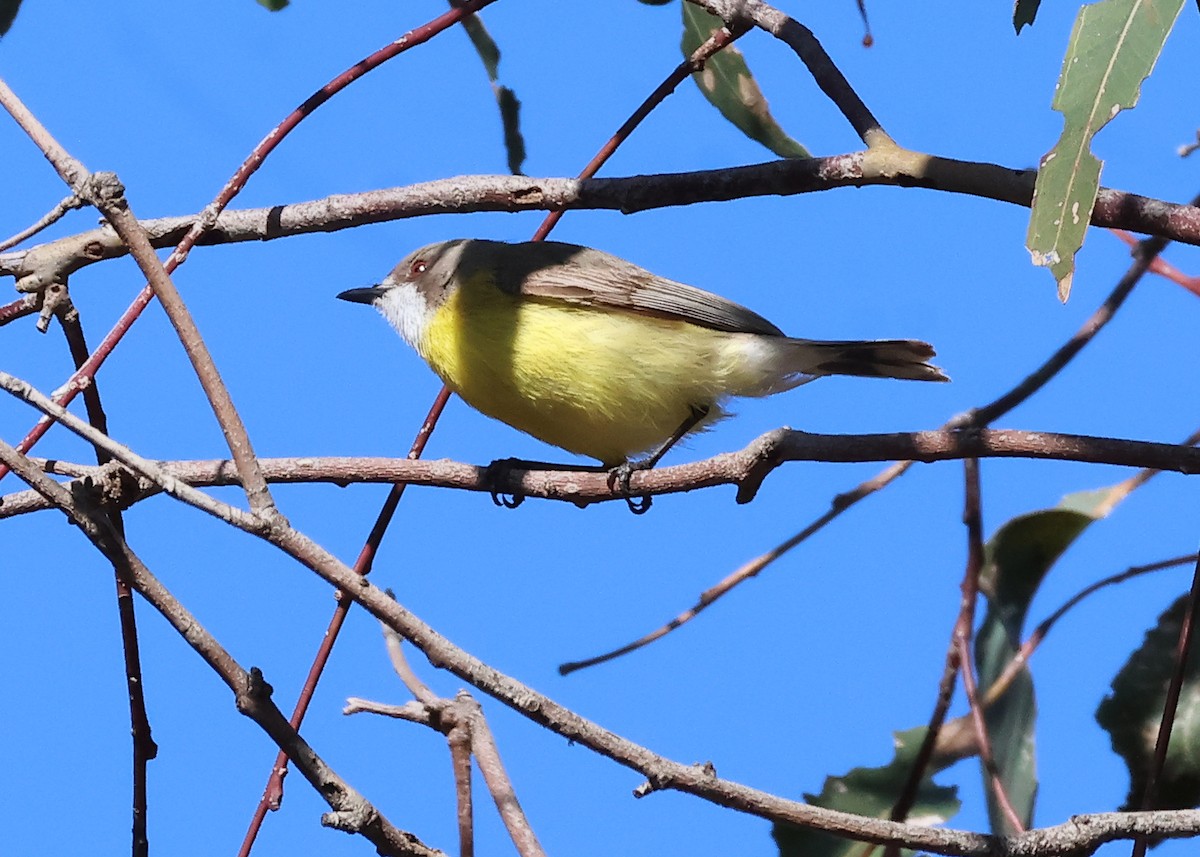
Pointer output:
596, 355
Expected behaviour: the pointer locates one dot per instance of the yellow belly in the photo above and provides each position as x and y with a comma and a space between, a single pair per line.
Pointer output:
601, 383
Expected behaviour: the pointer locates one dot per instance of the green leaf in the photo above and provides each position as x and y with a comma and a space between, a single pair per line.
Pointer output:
727, 83
1016, 560
1131, 714
869, 792
273, 5
8, 14
1112, 49
1024, 12
506, 99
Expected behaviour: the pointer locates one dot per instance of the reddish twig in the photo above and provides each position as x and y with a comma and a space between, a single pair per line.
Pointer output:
719, 39
273, 792
21, 307
1162, 267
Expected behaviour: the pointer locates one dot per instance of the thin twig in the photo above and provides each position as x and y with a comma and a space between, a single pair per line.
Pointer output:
67, 203
964, 632
459, 739
273, 792
1162, 267
487, 756
144, 748
963, 628
800, 39
714, 43
1014, 667
408, 677
1183, 649
21, 307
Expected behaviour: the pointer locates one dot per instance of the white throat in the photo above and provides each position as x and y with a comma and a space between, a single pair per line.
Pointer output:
405, 309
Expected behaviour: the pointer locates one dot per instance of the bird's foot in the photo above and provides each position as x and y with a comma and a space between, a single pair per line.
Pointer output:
621, 475
496, 475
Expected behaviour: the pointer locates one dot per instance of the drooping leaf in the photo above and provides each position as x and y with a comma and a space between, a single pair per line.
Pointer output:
273, 5
8, 14
870, 792
483, 43
729, 86
510, 117
1112, 49
1016, 560
658, 2
1024, 11
506, 99
1131, 714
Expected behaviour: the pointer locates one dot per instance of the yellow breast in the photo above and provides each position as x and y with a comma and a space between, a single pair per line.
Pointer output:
597, 382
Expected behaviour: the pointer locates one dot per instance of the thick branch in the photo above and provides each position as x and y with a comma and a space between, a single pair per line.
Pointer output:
746, 468
45, 263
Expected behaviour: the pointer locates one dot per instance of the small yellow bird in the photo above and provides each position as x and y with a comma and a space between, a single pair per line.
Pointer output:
595, 355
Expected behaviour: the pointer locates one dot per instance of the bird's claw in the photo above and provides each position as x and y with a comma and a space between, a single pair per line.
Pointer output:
621, 475
497, 473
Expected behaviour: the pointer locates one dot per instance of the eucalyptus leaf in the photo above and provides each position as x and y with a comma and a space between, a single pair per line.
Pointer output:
729, 86
1131, 714
1113, 48
869, 792
1016, 560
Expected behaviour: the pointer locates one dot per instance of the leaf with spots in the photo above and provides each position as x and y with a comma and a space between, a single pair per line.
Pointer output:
1112, 49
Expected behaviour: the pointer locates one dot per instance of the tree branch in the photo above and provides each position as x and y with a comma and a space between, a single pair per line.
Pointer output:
888, 166
746, 468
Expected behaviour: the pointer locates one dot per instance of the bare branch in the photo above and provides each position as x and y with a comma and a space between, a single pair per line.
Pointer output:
746, 468
891, 167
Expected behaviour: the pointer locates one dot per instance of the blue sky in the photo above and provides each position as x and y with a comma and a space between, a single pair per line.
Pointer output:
802, 673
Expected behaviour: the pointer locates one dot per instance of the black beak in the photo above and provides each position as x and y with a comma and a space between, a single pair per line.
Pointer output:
362, 296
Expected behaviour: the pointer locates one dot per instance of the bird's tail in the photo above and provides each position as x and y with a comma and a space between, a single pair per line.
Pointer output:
781, 363
907, 359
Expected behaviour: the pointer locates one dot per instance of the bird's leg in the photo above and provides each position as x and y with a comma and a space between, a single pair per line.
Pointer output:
622, 473
497, 474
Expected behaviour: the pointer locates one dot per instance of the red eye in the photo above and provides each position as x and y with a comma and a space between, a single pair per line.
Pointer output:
417, 268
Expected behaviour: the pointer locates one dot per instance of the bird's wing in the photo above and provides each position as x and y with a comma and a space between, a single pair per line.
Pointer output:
580, 275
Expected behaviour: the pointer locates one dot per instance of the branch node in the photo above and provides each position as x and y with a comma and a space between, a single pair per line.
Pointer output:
763, 457
255, 692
